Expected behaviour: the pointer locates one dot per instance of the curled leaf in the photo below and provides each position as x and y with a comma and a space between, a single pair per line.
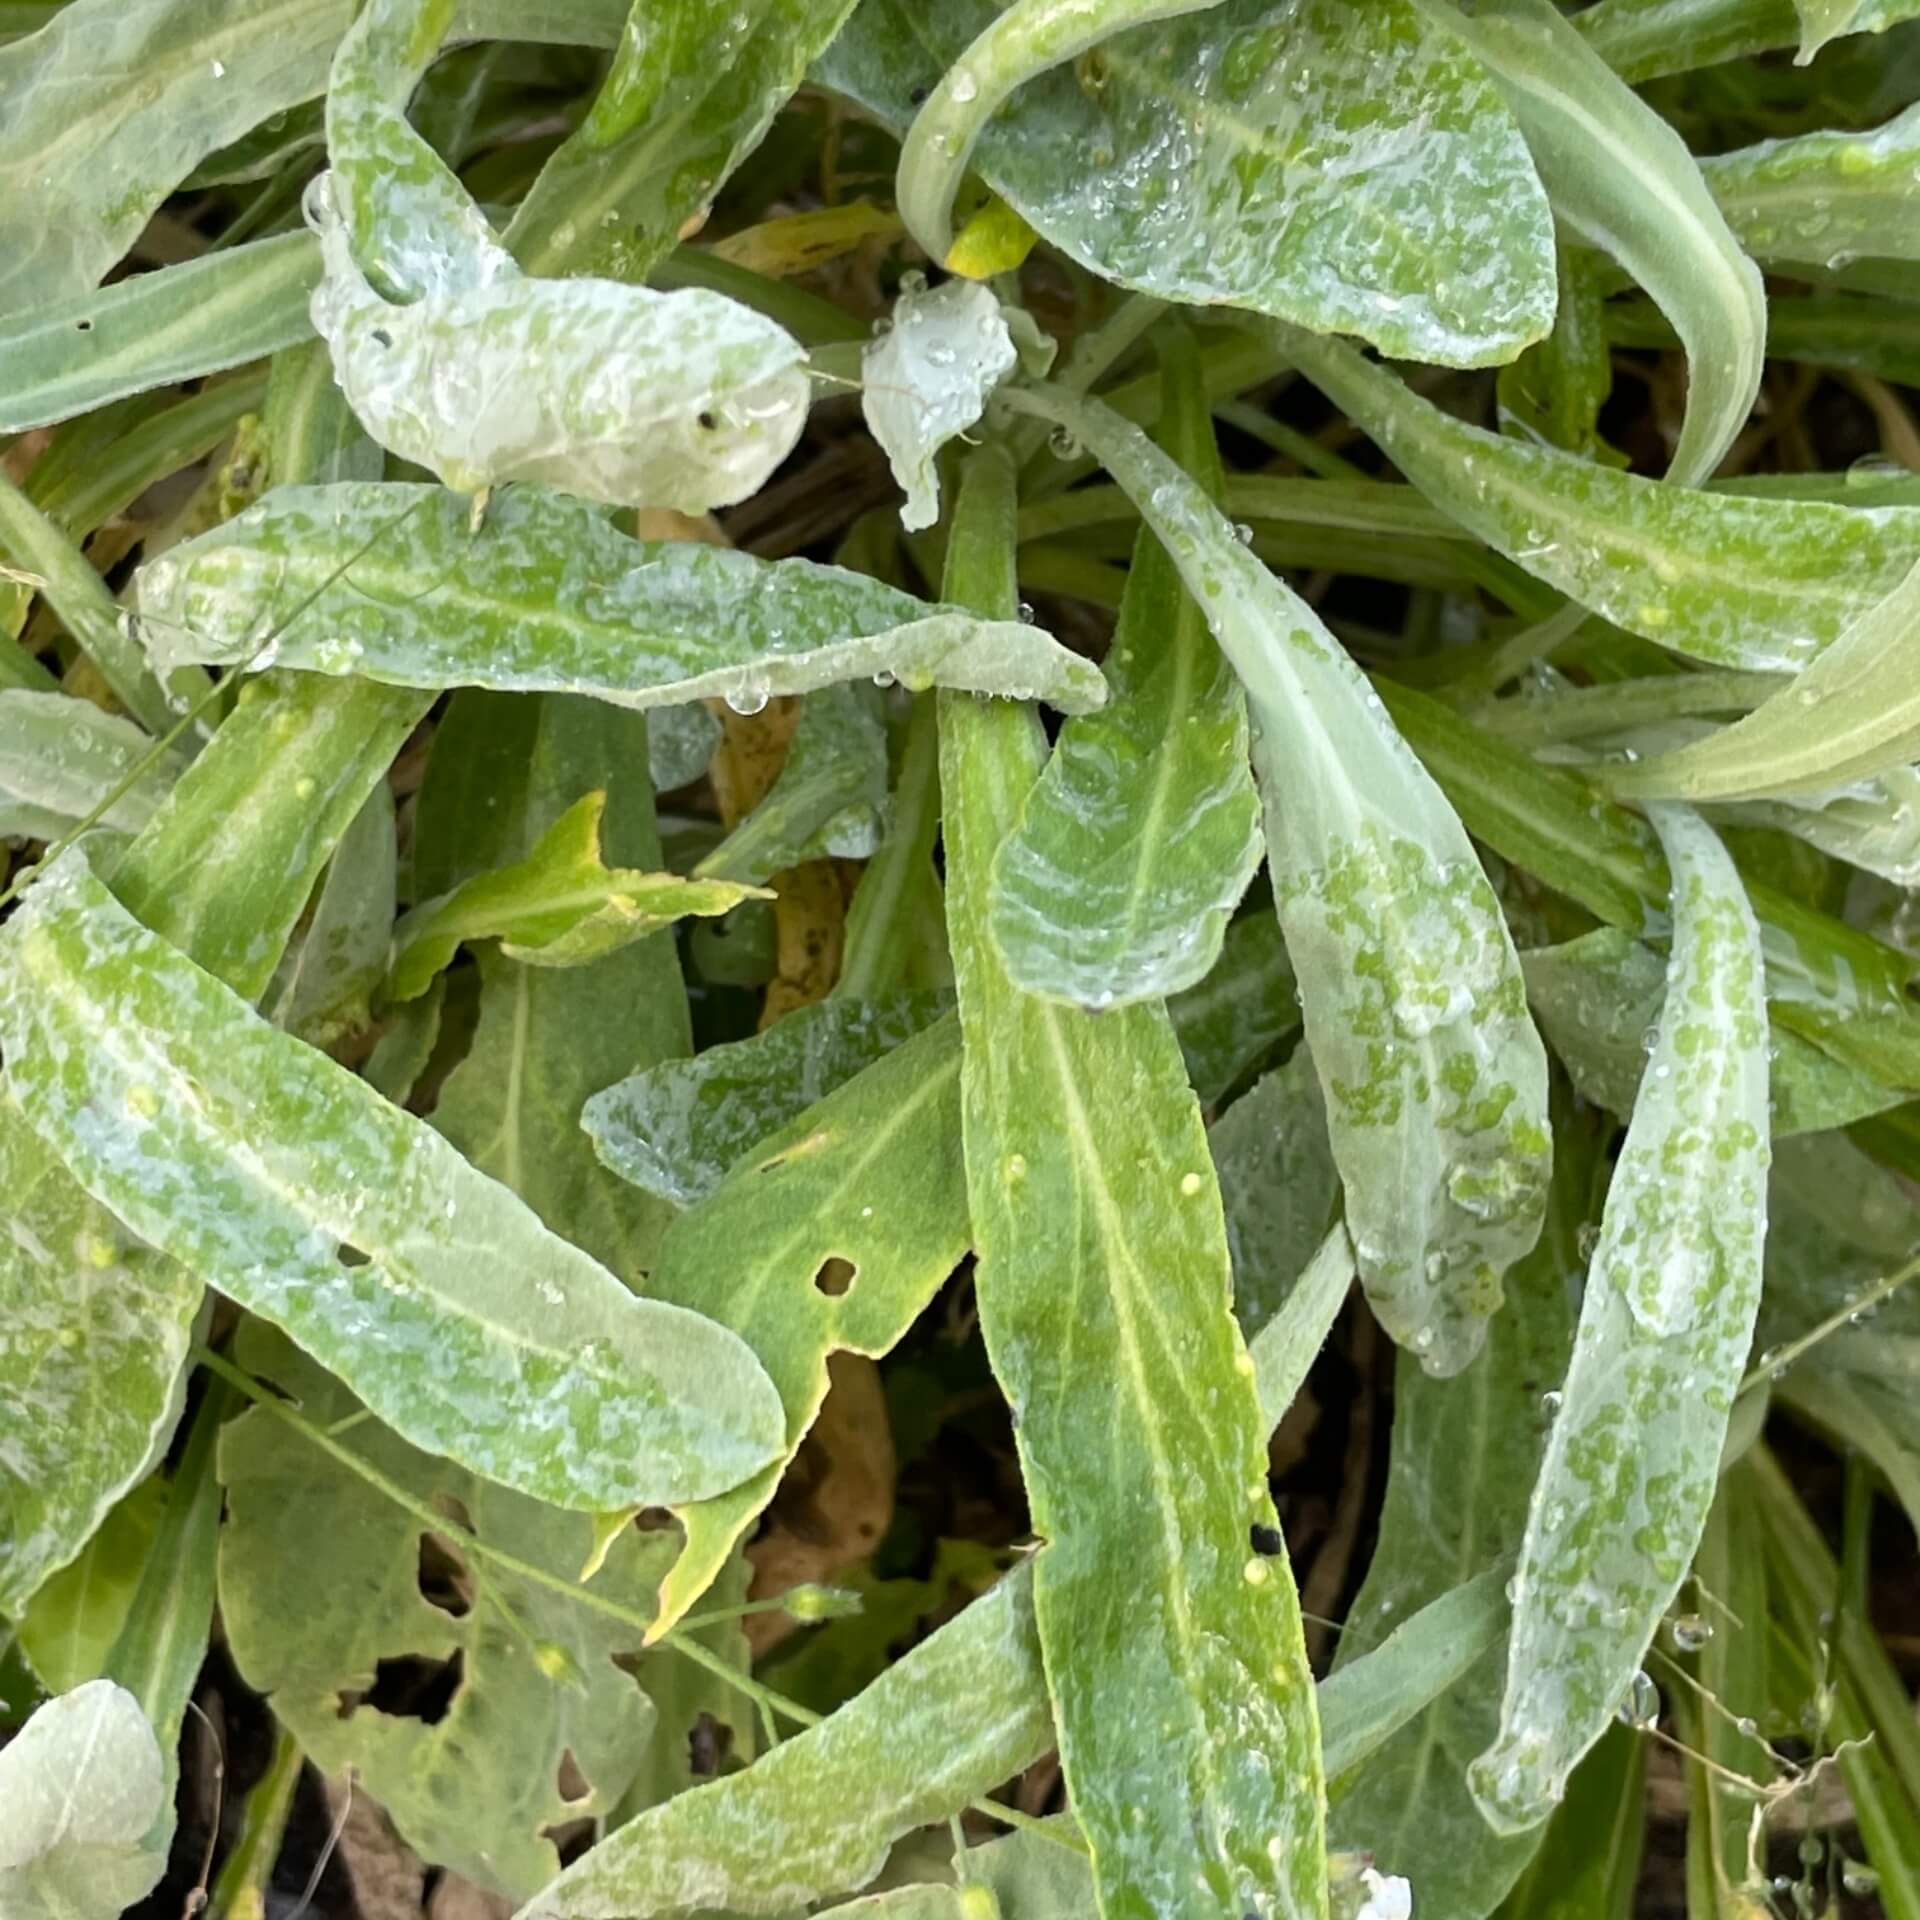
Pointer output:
390, 583
1634, 1455
561, 906
927, 379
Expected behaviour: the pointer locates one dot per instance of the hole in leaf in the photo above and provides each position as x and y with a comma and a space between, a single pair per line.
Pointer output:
708, 1744
350, 1256
409, 1688
836, 1276
444, 1579
83, 326
571, 1784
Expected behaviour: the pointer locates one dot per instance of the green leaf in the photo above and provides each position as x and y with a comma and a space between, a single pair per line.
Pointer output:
1824, 20
1414, 1006
1555, 390
1220, 159
1290, 1339
560, 907
927, 378
1824, 199
1640, 39
828, 800
80, 1785
503, 768
1668, 1314
686, 99
228, 863
1463, 1458
680, 742
60, 758
678, 1128
1597, 1000
1141, 833
1622, 180
829, 1237
1852, 713
313, 1632
1735, 580
1588, 1865
326, 989
65, 357
91, 1357
1187, 1724
1278, 1185
288, 1183
1241, 1011
390, 583
819, 1812
69, 1626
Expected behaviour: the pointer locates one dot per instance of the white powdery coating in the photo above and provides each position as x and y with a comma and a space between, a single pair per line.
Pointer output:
927, 379
431, 1290
80, 1785
685, 400
60, 757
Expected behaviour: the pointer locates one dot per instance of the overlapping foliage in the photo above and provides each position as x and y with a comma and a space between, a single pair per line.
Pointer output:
601, 1023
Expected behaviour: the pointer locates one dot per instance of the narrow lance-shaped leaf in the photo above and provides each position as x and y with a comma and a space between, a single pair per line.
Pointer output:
280, 1178
927, 378
1851, 714
1028, 38
560, 907
62, 358
62, 758
1414, 1005
1641, 39
1462, 1459
1214, 161
689, 95
390, 583
80, 1786
1621, 178
1826, 199
829, 1237
1143, 829
95, 1337
1734, 580
963, 1711
1172, 1642
1634, 1455
679, 1128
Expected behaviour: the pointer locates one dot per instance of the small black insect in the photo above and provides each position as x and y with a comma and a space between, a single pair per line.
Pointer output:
1267, 1540
916, 95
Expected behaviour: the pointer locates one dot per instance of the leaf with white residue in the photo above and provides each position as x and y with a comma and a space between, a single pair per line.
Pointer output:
80, 1786
390, 583
830, 1236
1825, 199
1634, 1455
960, 1713
1414, 1006
562, 906
927, 379
1143, 829
1217, 159
326, 987
92, 1356
1852, 713
679, 1128
685, 400
1734, 580
61, 758
277, 1176
1621, 179
1174, 1655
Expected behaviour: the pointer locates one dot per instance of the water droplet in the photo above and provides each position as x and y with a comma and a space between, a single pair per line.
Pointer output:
749, 697
1640, 1704
961, 85
218, 69
1859, 1879
1690, 1632
1255, 1573
1191, 1183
